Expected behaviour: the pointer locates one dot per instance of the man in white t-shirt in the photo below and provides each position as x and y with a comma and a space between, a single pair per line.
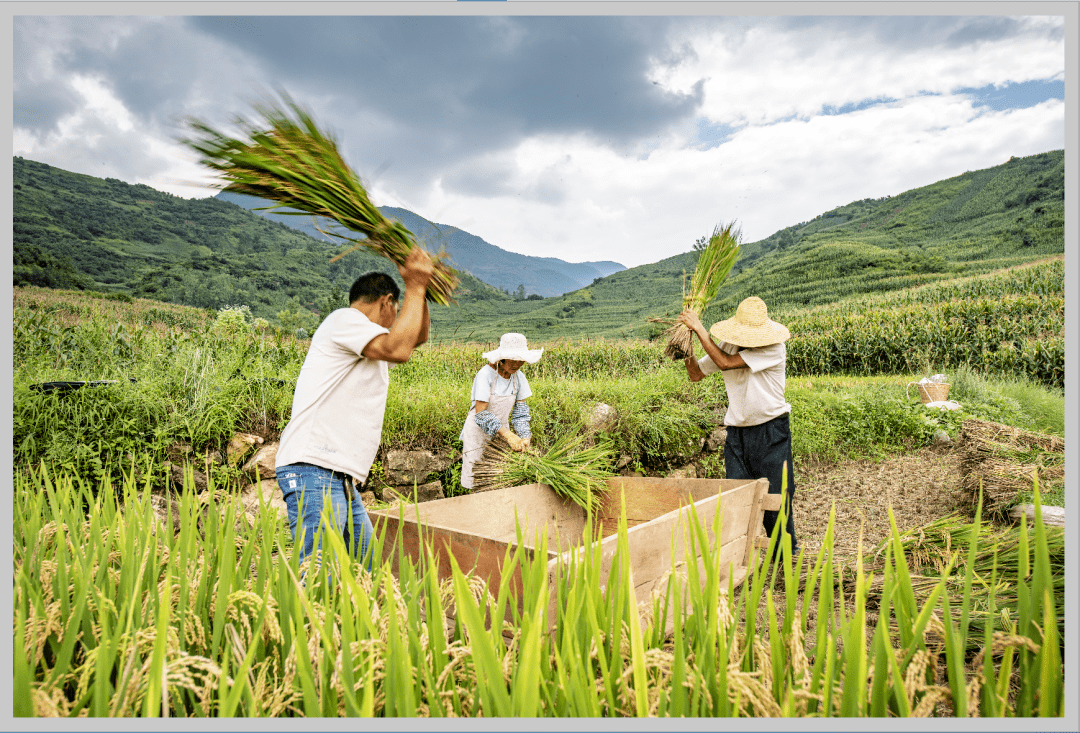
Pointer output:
752, 358
327, 449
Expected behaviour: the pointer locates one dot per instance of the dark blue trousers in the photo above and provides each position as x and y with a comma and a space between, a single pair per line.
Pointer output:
764, 451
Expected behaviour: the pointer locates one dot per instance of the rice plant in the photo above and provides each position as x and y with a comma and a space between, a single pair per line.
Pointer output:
289, 160
713, 266
117, 614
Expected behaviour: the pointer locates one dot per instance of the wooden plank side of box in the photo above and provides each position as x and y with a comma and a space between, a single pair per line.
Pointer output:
475, 554
648, 498
497, 514
663, 543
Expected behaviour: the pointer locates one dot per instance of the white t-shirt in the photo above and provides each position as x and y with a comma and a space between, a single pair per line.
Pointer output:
755, 395
488, 382
340, 399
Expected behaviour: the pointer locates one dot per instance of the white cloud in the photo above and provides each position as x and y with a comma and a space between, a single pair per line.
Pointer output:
768, 72
769, 177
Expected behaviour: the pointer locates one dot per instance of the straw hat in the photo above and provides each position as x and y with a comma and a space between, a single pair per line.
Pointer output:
751, 326
513, 346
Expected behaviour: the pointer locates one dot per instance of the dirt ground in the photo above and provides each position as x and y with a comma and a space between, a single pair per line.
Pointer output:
920, 486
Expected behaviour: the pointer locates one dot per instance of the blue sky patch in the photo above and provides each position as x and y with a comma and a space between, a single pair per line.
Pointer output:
708, 135
1016, 96
844, 109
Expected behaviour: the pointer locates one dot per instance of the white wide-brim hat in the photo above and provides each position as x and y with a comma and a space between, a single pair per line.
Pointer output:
751, 327
513, 346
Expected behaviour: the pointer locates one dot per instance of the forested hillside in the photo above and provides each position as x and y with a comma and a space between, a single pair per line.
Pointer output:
77, 231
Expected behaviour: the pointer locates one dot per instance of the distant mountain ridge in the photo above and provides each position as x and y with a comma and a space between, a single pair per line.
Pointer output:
546, 276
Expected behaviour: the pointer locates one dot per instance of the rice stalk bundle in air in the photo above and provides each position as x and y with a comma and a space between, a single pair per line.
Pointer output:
572, 469
287, 159
713, 266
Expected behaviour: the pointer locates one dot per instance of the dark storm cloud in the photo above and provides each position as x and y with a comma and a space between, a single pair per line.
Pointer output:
498, 78
982, 29
40, 106
38, 100
451, 89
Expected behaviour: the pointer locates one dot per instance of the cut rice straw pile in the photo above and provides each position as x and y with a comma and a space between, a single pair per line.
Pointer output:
572, 470
1000, 461
288, 160
713, 266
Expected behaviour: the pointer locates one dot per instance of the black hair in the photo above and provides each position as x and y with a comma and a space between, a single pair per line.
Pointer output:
372, 286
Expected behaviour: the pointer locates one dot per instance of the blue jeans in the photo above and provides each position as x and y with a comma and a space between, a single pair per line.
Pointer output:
308, 490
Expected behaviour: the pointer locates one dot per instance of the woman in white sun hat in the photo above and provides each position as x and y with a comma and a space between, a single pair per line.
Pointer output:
498, 396
752, 358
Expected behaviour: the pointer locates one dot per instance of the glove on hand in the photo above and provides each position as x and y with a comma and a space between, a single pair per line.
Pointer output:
515, 442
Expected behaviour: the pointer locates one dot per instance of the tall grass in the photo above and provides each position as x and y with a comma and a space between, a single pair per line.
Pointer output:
115, 616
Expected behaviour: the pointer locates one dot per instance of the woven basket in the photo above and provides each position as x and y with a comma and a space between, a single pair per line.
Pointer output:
933, 392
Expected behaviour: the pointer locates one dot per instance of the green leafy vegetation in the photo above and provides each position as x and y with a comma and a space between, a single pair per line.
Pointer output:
77, 231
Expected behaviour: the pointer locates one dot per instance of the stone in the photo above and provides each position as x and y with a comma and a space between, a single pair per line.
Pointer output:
368, 497
413, 466
941, 438
240, 445
424, 492
1052, 516
716, 440
624, 461
270, 494
163, 506
177, 474
261, 465
602, 417
688, 471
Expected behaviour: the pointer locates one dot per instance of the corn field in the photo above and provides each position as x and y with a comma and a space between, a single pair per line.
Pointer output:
119, 612
1010, 324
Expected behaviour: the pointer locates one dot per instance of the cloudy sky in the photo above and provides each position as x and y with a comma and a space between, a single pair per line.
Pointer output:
584, 138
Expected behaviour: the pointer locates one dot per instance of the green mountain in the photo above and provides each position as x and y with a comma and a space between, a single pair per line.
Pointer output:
973, 223
81, 232
544, 276
78, 231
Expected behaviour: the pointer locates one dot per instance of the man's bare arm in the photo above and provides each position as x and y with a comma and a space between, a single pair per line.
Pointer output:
722, 360
411, 321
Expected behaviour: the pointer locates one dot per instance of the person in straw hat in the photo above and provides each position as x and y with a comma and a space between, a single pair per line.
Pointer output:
752, 358
498, 396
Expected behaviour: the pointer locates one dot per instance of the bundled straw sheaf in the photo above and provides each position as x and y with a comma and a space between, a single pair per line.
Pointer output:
572, 469
1000, 461
288, 160
713, 266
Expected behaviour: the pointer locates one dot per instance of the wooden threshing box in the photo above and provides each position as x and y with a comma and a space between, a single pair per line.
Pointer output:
477, 529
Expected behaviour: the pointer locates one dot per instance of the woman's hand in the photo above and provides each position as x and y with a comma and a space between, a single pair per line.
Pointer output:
515, 442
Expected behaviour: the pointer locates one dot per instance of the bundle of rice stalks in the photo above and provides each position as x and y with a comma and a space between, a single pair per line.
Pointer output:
712, 269
572, 469
1002, 462
287, 159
